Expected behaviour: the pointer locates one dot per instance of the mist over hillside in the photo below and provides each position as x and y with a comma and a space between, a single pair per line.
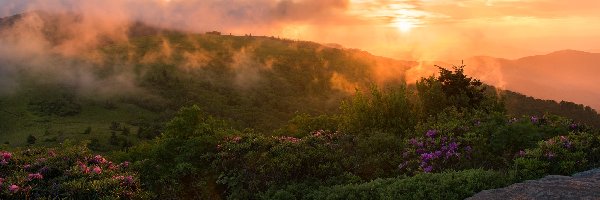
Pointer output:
248, 79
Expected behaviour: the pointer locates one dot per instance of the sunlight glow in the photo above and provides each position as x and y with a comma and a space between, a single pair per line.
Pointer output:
404, 25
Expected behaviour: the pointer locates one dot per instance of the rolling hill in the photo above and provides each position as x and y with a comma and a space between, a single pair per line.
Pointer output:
136, 77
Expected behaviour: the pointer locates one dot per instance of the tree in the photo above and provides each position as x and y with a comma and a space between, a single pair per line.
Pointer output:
31, 139
115, 126
113, 140
462, 91
125, 131
452, 88
88, 130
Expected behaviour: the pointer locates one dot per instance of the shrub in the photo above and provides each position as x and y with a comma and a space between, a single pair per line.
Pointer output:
71, 172
446, 185
558, 155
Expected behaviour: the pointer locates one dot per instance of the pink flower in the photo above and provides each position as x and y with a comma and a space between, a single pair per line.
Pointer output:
14, 188
1, 181
125, 164
564, 139
97, 170
41, 160
98, 159
6, 155
27, 166
51, 153
35, 176
84, 168
125, 180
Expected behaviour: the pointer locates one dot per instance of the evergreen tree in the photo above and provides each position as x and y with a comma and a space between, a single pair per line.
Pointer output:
31, 139
113, 140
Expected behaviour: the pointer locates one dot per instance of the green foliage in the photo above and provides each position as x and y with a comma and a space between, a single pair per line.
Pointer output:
178, 163
447, 185
304, 124
389, 111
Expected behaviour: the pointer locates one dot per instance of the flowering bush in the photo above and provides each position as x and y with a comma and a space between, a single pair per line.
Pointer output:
433, 152
68, 173
558, 155
253, 163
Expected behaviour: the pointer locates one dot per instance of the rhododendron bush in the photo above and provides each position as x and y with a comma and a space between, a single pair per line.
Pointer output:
65, 172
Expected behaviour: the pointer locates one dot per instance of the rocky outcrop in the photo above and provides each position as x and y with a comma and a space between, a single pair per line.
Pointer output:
584, 185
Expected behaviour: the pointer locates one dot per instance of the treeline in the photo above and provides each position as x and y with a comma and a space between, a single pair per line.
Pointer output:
518, 104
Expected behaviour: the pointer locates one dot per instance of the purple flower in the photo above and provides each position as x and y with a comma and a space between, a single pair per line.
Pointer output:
550, 155
44, 170
36, 176
420, 151
534, 119
13, 188
468, 148
449, 154
431, 133
438, 154
428, 169
402, 165
413, 141
426, 157
521, 153
574, 126
405, 154
453, 146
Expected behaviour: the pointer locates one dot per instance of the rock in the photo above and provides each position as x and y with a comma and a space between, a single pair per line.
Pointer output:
584, 185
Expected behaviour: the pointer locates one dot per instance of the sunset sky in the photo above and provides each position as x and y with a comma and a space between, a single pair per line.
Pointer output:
404, 29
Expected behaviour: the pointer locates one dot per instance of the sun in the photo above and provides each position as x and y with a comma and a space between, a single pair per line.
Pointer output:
404, 25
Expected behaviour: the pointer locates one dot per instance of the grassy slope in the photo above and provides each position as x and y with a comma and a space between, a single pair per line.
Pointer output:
18, 121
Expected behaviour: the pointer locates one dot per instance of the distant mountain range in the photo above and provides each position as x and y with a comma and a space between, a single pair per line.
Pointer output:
567, 75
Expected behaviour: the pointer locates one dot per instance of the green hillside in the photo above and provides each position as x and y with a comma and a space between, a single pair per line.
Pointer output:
252, 82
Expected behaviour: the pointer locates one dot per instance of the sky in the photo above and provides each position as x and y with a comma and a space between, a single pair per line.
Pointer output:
402, 29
